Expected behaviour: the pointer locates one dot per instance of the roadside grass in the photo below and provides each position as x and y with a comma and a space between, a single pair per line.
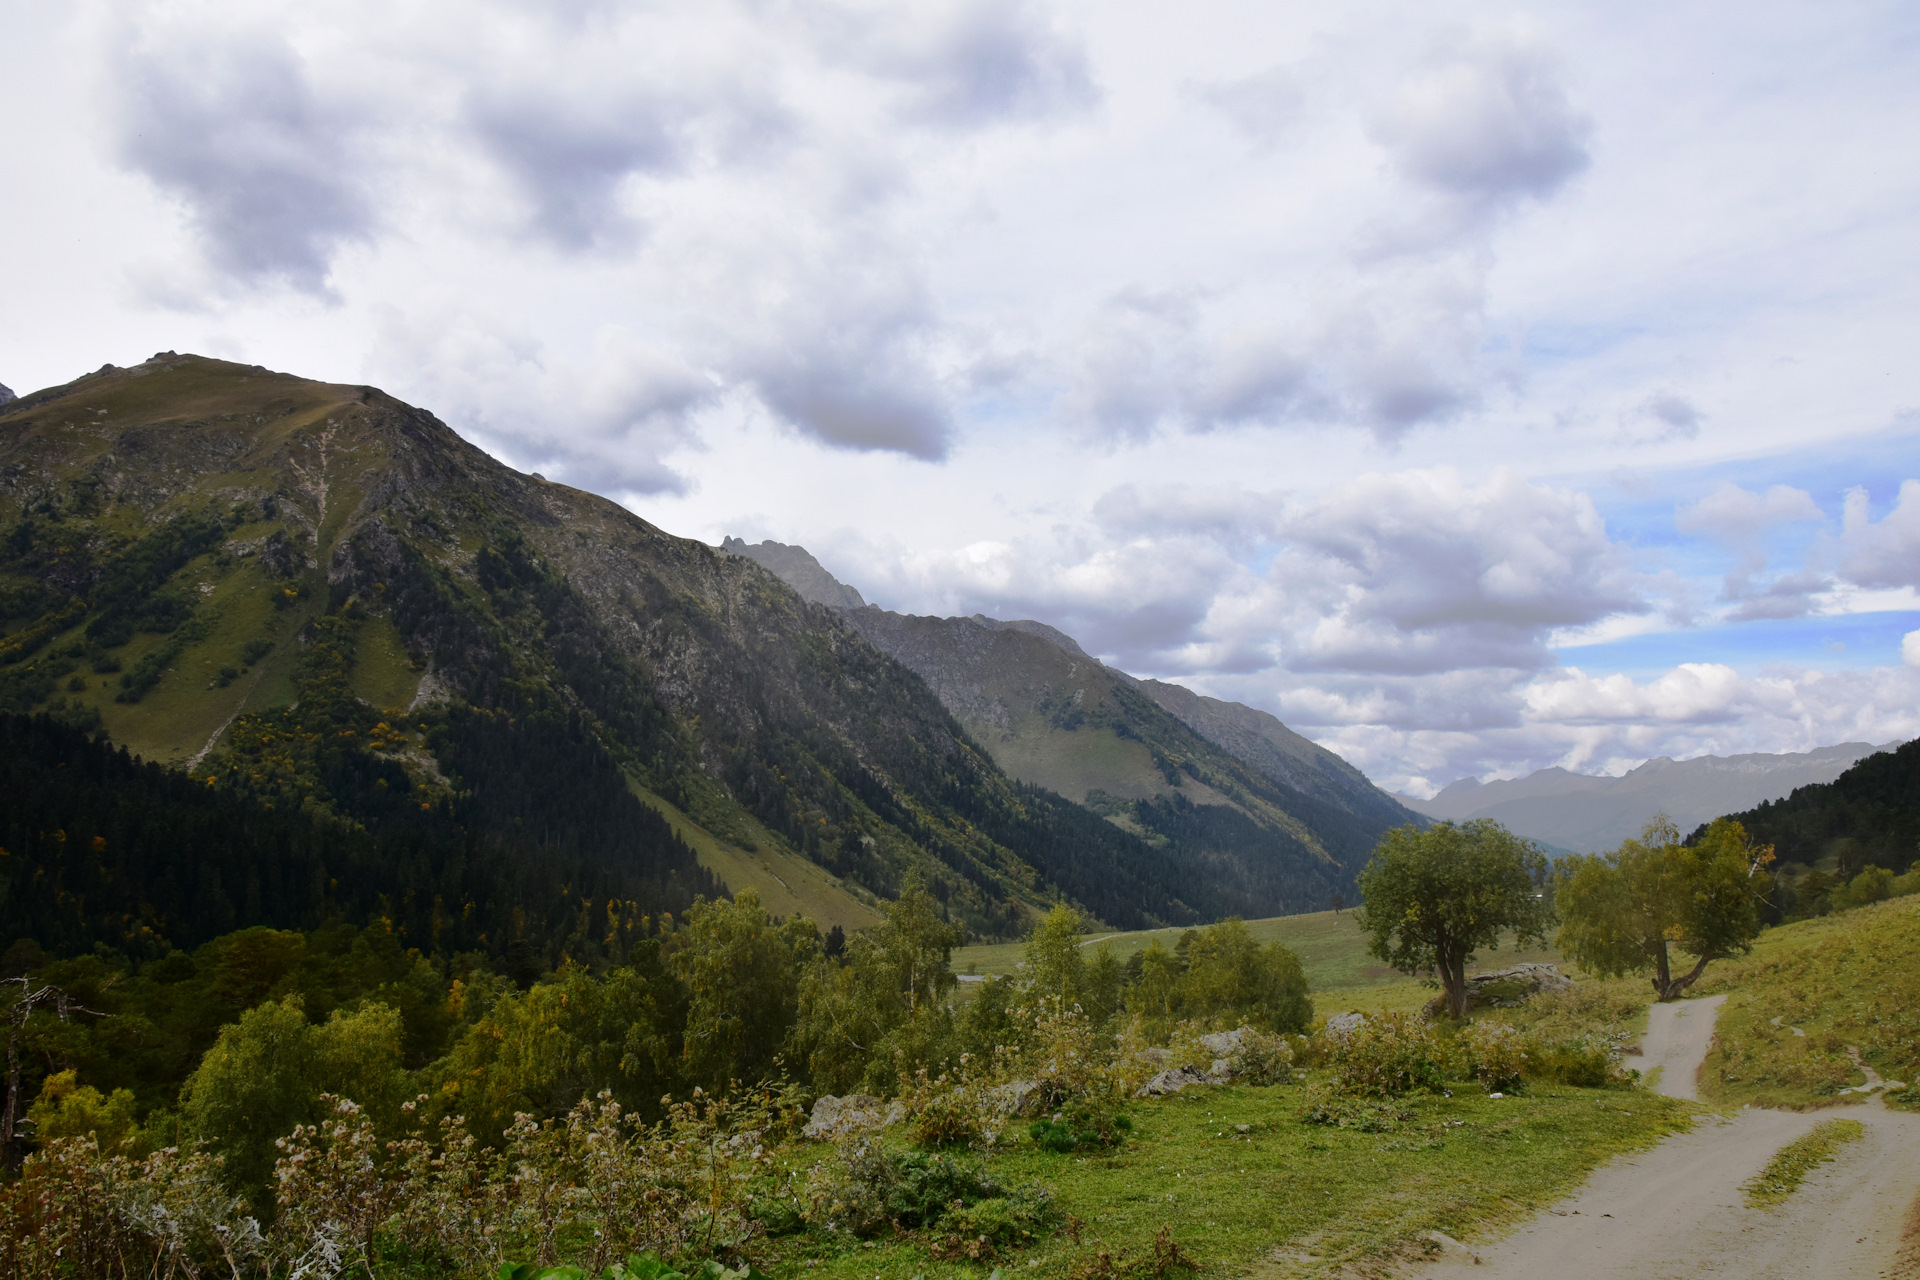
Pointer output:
1330, 944
1289, 1198
1792, 1163
1806, 993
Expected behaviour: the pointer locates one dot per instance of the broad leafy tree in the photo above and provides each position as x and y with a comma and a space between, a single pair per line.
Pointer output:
1433, 898
742, 974
1231, 977
881, 1006
1627, 911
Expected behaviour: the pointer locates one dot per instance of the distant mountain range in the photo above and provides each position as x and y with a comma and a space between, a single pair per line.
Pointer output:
1284, 821
1582, 813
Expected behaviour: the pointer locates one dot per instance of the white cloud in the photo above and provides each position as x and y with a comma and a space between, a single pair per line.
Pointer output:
1421, 572
1886, 553
1487, 120
270, 171
1910, 648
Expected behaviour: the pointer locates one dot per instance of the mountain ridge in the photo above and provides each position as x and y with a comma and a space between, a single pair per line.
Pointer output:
1218, 780
1588, 813
301, 583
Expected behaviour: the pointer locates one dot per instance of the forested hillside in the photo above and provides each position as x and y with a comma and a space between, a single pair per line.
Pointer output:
1828, 835
103, 849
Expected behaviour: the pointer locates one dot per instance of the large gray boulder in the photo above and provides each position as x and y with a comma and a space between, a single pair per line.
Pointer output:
1509, 987
1174, 1081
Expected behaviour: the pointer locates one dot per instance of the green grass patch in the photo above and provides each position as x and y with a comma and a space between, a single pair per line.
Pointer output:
384, 675
1331, 947
1792, 1163
1238, 1180
1808, 993
787, 883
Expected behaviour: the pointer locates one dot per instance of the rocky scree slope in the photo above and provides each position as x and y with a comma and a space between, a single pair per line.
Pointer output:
238, 552
1230, 790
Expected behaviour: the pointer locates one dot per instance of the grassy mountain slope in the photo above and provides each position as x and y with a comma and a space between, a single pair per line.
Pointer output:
1052, 716
1221, 785
264, 573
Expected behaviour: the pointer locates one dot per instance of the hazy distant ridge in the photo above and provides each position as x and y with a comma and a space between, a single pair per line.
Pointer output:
1586, 814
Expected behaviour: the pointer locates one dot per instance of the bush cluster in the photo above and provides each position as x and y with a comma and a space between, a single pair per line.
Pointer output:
593, 1185
1386, 1056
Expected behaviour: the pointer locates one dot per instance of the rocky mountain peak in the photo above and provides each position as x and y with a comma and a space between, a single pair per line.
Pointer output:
796, 567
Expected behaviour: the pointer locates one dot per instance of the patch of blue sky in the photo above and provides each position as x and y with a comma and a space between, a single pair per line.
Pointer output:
1639, 506
1849, 641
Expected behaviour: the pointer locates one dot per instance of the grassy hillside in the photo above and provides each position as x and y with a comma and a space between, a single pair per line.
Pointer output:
1276, 834
789, 885
1808, 993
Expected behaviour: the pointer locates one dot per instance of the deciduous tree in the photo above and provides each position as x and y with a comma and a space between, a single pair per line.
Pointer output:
1432, 898
1625, 911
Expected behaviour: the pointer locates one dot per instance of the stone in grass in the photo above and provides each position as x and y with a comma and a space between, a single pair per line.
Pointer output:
857, 1112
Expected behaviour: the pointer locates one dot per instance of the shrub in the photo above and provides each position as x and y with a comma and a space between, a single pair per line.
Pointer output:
866, 1189
1252, 1056
1386, 1056
1012, 1220
1496, 1055
1084, 1127
1587, 1063
956, 1111
1322, 1104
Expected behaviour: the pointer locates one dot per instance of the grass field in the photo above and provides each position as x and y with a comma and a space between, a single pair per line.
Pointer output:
1331, 947
1465, 1165
1808, 993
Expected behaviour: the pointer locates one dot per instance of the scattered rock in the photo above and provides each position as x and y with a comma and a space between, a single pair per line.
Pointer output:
1020, 1098
1173, 1082
1509, 987
1438, 1244
1224, 1044
857, 1112
1342, 1025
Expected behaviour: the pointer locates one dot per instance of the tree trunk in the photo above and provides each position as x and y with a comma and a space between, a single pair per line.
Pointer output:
1453, 981
13, 1103
1662, 974
1678, 986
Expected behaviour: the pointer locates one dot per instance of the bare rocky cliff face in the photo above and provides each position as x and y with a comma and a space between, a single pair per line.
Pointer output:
715, 685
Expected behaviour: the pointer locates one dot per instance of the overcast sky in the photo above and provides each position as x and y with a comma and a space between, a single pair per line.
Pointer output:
1477, 387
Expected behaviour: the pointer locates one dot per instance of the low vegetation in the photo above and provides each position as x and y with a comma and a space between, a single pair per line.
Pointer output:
1811, 997
364, 1108
1792, 1163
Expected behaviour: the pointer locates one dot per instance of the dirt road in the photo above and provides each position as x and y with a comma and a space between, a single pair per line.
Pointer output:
1678, 1036
1677, 1212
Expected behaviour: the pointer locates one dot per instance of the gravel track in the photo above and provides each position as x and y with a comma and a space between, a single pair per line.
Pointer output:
1677, 1211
